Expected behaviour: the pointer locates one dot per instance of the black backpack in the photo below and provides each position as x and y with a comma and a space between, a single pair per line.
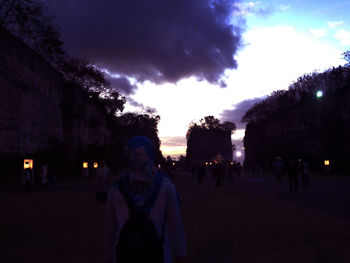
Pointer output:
138, 238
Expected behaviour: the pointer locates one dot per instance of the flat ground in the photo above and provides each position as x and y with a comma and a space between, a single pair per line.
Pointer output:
244, 222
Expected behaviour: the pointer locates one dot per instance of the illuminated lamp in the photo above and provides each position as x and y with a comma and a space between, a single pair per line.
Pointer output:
85, 165
28, 163
96, 165
173, 164
326, 162
319, 94
206, 163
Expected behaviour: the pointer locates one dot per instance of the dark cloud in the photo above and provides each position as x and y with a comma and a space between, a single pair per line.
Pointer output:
141, 106
156, 40
122, 85
238, 112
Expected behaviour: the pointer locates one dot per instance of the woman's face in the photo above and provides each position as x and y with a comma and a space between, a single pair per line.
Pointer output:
140, 162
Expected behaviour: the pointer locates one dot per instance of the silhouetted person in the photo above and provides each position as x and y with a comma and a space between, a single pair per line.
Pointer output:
238, 169
28, 178
218, 172
278, 167
293, 176
230, 168
201, 171
144, 218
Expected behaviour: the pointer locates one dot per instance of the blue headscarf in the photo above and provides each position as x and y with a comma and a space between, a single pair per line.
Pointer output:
142, 178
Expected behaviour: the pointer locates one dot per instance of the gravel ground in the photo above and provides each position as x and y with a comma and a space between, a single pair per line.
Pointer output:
243, 222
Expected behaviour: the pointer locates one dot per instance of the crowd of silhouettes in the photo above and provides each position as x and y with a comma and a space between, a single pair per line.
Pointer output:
294, 169
222, 172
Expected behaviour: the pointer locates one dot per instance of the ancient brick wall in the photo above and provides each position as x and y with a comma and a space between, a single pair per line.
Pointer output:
30, 101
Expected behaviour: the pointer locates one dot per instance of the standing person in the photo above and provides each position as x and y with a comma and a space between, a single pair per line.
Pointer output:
293, 176
305, 175
238, 169
201, 171
230, 173
28, 178
144, 201
218, 172
106, 176
278, 167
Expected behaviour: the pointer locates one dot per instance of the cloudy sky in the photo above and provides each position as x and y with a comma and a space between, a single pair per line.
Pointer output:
186, 59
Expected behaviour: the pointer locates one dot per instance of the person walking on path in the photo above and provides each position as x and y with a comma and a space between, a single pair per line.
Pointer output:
278, 167
293, 176
143, 192
201, 171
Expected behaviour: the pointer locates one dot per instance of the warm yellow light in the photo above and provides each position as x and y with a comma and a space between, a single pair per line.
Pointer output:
206, 163
85, 165
173, 164
28, 163
95, 165
326, 162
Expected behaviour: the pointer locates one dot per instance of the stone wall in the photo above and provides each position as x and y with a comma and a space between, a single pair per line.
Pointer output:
30, 101
45, 118
41, 115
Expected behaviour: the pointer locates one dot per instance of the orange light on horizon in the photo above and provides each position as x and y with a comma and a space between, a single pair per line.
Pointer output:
85, 165
95, 165
28, 163
326, 162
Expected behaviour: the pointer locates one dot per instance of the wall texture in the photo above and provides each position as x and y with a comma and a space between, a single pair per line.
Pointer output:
30, 101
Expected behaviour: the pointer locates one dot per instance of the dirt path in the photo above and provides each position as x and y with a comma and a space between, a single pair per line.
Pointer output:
239, 223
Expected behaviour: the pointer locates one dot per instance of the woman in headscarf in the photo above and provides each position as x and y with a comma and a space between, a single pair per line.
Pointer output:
143, 186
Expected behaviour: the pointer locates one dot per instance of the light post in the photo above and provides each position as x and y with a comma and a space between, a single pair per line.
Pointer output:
238, 155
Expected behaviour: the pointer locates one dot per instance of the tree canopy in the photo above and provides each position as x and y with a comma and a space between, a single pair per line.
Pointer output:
302, 91
211, 123
27, 20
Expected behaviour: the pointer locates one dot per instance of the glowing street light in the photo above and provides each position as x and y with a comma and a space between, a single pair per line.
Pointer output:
319, 94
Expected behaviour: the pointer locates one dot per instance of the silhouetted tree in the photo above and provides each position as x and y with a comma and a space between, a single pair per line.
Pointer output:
26, 20
210, 123
346, 56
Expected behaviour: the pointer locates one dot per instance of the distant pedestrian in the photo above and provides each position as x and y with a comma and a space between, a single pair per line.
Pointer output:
238, 169
230, 168
28, 178
105, 175
278, 167
293, 176
218, 172
201, 171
